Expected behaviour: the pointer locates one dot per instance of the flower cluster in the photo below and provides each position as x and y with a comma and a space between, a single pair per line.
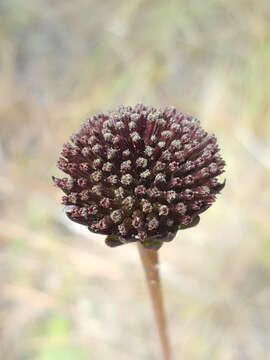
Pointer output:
139, 174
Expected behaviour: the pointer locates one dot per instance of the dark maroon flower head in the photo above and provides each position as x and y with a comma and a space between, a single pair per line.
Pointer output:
140, 174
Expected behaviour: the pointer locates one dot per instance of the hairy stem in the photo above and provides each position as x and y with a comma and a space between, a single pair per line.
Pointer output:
150, 263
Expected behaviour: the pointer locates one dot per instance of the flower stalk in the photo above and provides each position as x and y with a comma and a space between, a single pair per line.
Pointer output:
150, 262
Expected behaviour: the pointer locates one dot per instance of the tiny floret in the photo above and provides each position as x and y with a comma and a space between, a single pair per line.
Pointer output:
126, 165
141, 162
145, 174
126, 179
135, 136
148, 150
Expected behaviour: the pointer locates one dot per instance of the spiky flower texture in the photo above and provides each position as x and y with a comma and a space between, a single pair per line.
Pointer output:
140, 174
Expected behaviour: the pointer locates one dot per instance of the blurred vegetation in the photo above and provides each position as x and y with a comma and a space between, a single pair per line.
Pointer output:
66, 296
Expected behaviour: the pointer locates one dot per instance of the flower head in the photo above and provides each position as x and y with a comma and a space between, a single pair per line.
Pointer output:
139, 174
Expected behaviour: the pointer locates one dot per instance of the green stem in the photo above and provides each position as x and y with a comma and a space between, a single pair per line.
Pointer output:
150, 263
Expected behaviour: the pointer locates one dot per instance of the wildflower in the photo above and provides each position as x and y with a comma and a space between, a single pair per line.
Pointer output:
140, 174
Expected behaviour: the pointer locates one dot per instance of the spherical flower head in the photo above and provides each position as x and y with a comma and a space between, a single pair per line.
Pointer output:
140, 174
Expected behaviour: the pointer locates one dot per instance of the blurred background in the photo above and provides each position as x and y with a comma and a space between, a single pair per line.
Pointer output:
64, 294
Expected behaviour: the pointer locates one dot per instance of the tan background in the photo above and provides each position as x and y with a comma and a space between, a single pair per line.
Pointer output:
64, 294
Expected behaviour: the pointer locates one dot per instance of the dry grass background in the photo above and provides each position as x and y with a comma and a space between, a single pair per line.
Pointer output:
66, 296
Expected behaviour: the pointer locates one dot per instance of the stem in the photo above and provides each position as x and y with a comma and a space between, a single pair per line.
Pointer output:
150, 263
